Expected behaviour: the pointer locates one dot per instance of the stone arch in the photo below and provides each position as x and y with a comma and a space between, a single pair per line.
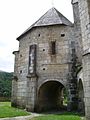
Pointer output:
81, 106
50, 95
47, 80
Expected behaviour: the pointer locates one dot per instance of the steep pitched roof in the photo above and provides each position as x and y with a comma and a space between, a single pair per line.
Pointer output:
51, 17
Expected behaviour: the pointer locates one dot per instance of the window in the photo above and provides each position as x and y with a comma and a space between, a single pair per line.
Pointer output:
43, 68
20, 71
38, 35
53, 47
62, 35
43, 49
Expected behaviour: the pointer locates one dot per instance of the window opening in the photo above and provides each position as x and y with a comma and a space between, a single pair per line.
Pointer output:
62, 35
53, 47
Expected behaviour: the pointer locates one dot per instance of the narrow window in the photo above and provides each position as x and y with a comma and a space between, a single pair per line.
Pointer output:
53, 47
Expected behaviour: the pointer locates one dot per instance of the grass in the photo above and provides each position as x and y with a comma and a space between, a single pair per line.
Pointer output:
7, 111
64, 116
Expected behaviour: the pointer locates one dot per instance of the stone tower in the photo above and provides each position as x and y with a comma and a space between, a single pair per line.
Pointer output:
53, 56
45, 64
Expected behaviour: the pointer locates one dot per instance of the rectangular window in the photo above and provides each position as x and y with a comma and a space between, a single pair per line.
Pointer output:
53, 47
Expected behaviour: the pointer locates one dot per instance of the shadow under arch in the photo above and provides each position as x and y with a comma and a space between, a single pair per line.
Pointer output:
50, 96
81, 105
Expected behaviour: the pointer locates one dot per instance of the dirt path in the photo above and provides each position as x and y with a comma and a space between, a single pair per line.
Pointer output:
22, 117
30, 116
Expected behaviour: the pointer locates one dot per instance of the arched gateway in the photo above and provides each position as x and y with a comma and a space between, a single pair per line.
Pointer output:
51, 96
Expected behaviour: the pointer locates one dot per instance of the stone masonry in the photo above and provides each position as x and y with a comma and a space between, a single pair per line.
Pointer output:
52, 52
84, 11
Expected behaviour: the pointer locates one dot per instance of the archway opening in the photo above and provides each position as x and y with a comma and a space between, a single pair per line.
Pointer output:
81, 106
51, 96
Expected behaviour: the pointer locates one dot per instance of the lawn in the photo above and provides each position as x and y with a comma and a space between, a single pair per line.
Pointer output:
7, 111
64, 116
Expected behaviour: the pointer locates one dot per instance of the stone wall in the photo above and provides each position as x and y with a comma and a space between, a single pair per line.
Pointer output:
53, 64
84, 19
49, 66
84, 6
77, 30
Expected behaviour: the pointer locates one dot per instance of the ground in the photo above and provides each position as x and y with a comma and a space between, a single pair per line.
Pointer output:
9, 113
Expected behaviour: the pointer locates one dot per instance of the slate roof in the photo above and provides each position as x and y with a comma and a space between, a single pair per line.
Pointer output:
51, 17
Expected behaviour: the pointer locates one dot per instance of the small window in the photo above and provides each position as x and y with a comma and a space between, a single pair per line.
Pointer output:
20, 71
43, 68
62, 35
53, 47
38, 35
43, 49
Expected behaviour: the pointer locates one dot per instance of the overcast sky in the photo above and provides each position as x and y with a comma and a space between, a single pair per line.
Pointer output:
16, 16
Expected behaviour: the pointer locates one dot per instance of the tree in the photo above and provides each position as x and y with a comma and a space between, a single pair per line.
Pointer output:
5, 84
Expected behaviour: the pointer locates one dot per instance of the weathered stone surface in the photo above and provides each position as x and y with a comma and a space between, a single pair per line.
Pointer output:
84, 11
32, 91
48, 67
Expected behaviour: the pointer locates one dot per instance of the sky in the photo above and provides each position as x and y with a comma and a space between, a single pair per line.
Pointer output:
16, 16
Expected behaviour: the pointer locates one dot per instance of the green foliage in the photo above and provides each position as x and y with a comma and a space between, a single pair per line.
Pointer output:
7, 111
65, 96
58, 117
5, 84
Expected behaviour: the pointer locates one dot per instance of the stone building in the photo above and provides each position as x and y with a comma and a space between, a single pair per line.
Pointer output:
53, 57
84, 14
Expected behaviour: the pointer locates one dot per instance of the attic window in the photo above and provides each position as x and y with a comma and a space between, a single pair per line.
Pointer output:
62, 35
53, 47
